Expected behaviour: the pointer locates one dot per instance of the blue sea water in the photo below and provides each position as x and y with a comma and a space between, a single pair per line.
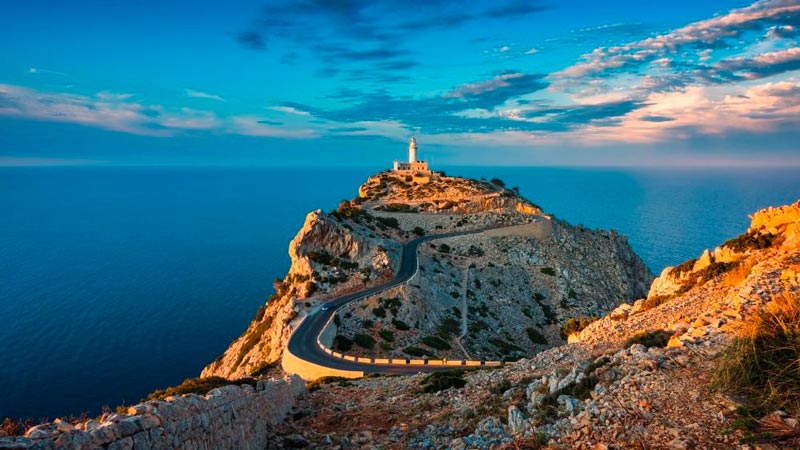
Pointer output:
118, 281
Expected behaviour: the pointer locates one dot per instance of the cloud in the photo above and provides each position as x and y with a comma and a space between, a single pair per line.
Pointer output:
289, 110
348, 33
199, 94
257, 126
252, 40
713, 33
763, 65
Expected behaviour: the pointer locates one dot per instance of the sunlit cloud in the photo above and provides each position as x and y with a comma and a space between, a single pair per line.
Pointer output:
289, 110
199, 94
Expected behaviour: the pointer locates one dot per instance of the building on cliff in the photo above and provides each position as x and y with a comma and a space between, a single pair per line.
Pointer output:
417, 169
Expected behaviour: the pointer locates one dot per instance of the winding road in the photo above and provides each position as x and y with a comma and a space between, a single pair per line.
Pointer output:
303, 341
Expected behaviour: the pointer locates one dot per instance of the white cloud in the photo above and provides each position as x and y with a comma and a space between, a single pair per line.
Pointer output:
532, 51
289, 110
199, 94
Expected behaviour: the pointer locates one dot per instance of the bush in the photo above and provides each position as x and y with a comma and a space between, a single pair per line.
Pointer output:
390, 222
400, 325
386, 335
658, 338
197, 386
444, 248
419, 231
449, 328
753, 240
763, 362
548, 271
439, 381
364, 340
342, 343
536, 337
497, 182
418, 352
436, 342
379, 312
575, 325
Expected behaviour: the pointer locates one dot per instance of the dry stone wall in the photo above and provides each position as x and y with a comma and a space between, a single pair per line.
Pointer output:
231, 417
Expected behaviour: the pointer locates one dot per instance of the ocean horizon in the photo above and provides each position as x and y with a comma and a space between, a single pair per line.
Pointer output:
117, 281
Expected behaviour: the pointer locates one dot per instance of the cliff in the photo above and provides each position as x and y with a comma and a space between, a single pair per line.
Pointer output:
646, 375
499, 294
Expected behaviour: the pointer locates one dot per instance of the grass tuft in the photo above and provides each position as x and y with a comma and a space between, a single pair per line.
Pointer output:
763, 362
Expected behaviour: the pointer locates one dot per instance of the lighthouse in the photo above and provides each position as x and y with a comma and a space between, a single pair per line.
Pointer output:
413, 168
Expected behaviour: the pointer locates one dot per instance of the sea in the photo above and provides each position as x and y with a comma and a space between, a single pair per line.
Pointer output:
116, 281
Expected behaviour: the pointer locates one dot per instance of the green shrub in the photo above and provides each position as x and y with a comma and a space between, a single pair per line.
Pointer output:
439, 381
716, 268
444, 248
454, 294
753, 240
535, 336
198, 386
436, 342
684, 267
386, 335
400, 325
575, 325
449, 328
418, 352
379, 312
763, 362
548, 271
342, 343
364, 340
390, 222
658, 338
419, 231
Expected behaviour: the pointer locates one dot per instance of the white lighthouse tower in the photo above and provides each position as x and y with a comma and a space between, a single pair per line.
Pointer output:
412, 151
414, 167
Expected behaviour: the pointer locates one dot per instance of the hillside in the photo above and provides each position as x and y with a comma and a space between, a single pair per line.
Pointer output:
501, 294
663, 372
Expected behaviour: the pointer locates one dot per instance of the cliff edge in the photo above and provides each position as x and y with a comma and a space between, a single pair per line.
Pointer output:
501, 294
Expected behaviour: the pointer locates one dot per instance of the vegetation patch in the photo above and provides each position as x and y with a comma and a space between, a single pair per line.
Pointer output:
753, 240
535, 336
658, 338
548, 271
364, 340
319, 382
386, 335
199, 386
342, 343
449, 328
575, 325
763, 362
418, 352
439, 381
436, 342
400, 325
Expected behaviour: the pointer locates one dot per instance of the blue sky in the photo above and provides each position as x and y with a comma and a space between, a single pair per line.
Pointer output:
347, 82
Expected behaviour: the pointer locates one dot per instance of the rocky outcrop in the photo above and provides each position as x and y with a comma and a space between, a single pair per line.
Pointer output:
229, 417
502, 293
329, 256
769, 227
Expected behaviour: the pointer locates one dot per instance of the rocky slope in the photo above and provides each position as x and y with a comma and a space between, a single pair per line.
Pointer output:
640, 377
500, 294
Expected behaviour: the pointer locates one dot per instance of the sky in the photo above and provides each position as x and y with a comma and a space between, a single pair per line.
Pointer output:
348, 82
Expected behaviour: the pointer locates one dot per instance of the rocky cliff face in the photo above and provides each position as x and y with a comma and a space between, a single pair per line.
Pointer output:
502, 293
331, 254
639, 377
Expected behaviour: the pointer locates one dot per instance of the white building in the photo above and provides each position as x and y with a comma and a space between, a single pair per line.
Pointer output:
412, 167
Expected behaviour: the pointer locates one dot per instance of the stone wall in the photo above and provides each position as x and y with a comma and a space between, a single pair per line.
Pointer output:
231, 417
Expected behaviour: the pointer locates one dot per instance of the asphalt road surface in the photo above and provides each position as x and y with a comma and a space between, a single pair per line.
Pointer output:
303, 342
